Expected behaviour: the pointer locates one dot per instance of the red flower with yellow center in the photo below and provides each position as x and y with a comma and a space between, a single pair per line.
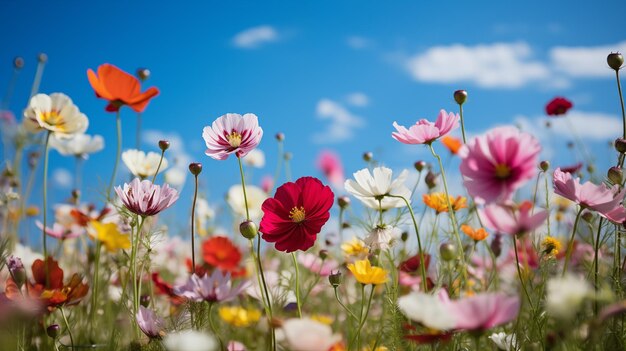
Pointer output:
296, 214
119, 88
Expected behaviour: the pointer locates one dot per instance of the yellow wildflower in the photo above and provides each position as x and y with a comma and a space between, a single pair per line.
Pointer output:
551, 246
365, 273
322, 319
437, 201
239, 316
478, 234
355, 247
110, 236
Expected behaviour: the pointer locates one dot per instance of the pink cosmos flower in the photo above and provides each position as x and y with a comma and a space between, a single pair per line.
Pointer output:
232, 133
316, 265
62, 232
484, 311
600, 198
424, 131
149, 323
144, 198
498, 163
510, 219
235, 346
330, 164
267, 183
211, 288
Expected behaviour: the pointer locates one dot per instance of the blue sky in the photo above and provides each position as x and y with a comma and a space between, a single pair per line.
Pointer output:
330, 75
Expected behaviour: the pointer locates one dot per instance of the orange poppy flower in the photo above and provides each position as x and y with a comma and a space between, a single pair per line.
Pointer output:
478, 234
221, 253
119, 88
451, 143
437, 201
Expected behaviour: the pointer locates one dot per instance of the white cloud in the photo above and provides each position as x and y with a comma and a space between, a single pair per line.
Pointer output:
342, 122
253, 38
506, 65
358, 42
358, 99
585, 62
62, 178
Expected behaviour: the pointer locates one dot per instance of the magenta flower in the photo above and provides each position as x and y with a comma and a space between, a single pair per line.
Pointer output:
211, 288
600, 198
232, 133
144, 198
484, 311
498, 163
424, 131
62, 232
149, 323
513, 220
330, 164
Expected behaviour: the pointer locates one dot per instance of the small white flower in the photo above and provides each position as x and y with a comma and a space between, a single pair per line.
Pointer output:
80, 145
176, 177
55, 113
308, 335
369, 187
255, 196
189, 340
504, 341
255, 158
141, 164
382, 237
565, 295
204, 213
430, 310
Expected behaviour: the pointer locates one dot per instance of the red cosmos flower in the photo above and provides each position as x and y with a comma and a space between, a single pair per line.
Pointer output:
295, 215
119, 88
221, 253
558, 106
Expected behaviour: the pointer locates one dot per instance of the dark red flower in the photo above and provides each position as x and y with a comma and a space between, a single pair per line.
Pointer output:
573, 169
558, 106
295, 215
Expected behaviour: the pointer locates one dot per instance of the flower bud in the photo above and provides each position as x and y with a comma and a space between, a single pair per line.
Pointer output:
164, 145
460, 96
620, 145
280, 136
335, 279
16, 268
18, 63
32, 159
544, 166
345, 225
42, 58
323, 254
144, 300
288, 156
590, 169
368, 156
54, 331
343, 201
32, 211
496, 245
615, 60
431, 180
75, 195
404, 236
248, 229
447, 251
195, 168
419, 165
143, 74
587, 216
615, 175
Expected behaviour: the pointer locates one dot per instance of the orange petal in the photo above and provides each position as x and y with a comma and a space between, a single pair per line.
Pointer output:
120, 85
97, 85
139, 103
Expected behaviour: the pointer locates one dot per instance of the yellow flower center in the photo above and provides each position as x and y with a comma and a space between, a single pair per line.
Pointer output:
297, 214
502, 171
52, 118
234, 139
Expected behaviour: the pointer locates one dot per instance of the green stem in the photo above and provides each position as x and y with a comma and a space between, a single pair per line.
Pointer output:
380, 212
519, 274
545, 178
159, 166
243, 186
278, 166
344, 306
462, 123
570, 245
621, 100
363, 315
341, 224
267, 305
133, 266
96, 274
212, 325
193, 224
118, 122
67, 325
595, 265
298, 302
45, 205
38, 75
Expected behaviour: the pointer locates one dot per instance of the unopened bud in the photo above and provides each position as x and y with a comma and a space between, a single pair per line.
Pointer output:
143, 74
248, 229
620, 145
144, 300
280, 136
544, 165
42, 58
615, 60
16, 268
460, 96
164, 145
195, 168
335, 279
496, 245
419, 165
323, 254
447, 251
587, 216
431, 180
18, 63
54, 331
32, 159
345, 225
404, 236
615, 175
591, 169
75, 194
368, 156
343, 201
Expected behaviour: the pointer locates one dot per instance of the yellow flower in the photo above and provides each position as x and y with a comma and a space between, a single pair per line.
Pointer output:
378, 348
551, 246
366, 274
355, 247
478, 234
322, 319
437, 201
239, 316
110, 236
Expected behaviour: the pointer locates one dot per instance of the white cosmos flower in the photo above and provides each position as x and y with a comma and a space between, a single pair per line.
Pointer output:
255, 196
504, 341
189, 340
143, 165
368, 187
565, 295
308, 335
56, 113
255, 158
429, 310
176, 177
382, 237
81, 145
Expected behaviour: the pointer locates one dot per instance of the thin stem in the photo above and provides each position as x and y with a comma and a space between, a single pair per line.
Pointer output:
380, 212
595, 265
243, 186
212, 325
545, 178
344, 306
78, 173
133, 266
263, 287
341, 224
298, 302
67, 325
159, 166
570, 246
278, 165
621, 100
519, 273
118, 122
45, 205
96, 274
462, 123
193, 224
138, 132
364, 315
38, 75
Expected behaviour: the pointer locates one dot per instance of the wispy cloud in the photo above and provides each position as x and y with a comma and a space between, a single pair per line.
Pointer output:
358, 43
589, 126
62, 178
584, 61
342, 122
358, 99
255, 37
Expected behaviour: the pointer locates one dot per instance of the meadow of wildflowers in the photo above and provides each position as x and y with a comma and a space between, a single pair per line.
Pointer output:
490, 268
